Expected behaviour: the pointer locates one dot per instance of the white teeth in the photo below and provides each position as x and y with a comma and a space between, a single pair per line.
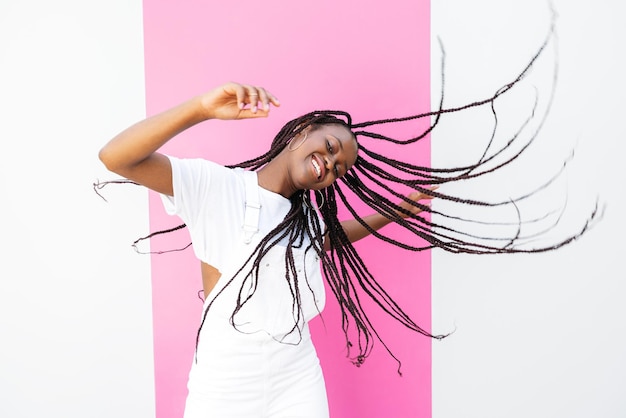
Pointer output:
317, 168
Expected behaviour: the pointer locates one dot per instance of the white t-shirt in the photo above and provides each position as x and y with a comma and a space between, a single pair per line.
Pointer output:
210, 199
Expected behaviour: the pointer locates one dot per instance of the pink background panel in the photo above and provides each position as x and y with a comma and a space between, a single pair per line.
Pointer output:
368, 59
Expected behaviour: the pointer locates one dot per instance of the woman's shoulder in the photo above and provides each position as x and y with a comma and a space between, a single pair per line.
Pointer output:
199, 165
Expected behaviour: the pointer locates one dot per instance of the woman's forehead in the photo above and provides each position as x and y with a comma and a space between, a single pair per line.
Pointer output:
339, 131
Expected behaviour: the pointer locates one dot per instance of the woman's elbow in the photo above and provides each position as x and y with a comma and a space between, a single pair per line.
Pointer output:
108, 159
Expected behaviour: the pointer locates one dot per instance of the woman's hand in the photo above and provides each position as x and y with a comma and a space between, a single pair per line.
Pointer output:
416, 197
238, 101
355, 230
133, 152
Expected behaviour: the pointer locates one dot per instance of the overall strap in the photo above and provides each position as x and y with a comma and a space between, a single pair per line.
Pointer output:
253, 206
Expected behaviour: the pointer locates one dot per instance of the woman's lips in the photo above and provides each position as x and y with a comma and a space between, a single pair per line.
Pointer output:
318, 167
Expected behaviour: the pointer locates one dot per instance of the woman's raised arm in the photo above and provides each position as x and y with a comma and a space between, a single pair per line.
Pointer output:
133, 153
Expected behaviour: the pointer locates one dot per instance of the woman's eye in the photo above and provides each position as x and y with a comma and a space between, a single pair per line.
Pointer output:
336, 171
330, 147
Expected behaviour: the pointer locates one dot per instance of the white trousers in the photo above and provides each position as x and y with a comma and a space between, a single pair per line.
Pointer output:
253, 375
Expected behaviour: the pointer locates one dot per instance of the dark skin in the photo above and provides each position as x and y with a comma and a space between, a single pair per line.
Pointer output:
317, 158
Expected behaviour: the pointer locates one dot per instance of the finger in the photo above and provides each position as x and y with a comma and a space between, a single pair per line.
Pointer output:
416, 196
264, 98
253, 98
423, 195
249, 114
240, 93
273, 98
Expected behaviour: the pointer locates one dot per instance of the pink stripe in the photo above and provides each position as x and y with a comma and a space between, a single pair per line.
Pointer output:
370, 60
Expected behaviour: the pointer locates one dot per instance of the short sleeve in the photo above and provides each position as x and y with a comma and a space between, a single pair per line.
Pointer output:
191, 182
209, 199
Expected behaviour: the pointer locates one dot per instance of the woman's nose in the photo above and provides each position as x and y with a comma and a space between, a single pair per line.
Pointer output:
330, 161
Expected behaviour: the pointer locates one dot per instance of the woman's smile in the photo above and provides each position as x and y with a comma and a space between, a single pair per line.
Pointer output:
318, 167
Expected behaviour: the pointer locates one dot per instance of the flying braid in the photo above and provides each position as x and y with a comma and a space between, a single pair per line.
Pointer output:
374, 180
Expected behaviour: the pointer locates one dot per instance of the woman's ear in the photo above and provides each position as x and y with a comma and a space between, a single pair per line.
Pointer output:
298, 140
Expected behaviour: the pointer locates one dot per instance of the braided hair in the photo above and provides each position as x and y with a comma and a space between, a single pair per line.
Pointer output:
374, 179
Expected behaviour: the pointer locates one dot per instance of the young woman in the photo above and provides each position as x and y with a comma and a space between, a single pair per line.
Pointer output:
264, 245
260, 240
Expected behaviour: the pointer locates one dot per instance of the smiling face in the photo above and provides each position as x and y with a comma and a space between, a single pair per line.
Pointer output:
326, 154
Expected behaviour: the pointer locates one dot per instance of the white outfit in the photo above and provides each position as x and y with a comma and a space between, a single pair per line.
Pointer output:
267, 366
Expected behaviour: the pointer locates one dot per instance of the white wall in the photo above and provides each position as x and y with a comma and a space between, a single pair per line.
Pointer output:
536, 335
76, 339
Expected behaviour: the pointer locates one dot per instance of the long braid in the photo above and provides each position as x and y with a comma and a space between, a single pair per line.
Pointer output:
374, 180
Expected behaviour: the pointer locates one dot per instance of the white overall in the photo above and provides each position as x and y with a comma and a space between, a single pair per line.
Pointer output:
260, 368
